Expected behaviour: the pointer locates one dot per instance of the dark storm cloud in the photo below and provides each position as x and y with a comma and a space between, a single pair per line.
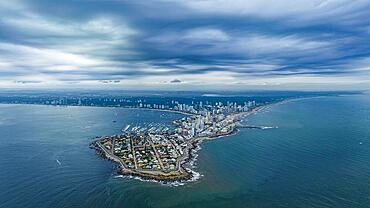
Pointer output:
79, 40
176, 81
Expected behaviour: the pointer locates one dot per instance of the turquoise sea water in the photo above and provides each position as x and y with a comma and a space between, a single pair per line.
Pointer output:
318, 157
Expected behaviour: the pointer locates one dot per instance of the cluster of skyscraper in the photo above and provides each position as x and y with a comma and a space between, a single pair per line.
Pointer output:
217, 108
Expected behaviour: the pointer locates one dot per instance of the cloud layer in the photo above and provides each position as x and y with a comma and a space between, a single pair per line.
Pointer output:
211, 43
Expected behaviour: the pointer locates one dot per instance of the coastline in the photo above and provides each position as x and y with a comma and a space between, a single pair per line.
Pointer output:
186, 164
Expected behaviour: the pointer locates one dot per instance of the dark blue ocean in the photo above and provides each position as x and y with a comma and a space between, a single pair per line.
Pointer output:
319, 156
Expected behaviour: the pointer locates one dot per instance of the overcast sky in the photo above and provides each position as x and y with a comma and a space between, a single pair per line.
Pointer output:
180, 44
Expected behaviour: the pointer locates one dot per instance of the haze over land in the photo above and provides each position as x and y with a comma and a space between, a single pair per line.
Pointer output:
173, 44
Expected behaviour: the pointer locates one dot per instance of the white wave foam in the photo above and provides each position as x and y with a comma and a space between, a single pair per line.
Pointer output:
175, 183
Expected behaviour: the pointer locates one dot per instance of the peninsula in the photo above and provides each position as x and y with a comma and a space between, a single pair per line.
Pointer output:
163, 154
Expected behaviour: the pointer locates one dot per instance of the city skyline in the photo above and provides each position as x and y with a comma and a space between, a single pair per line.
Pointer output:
171, 44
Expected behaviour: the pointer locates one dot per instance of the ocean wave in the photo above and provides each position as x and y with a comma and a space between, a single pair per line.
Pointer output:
174, 183
269, 127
